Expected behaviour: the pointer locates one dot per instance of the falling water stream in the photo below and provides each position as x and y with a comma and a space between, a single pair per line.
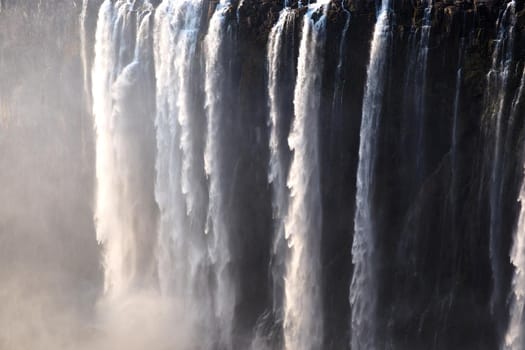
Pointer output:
124, 211
303, 327
363, 286
180, 193
497, 98
415, 85
515, 335
278, 65
217, 227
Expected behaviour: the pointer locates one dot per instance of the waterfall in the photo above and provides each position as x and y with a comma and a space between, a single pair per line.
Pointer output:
280, 60
303, 327
189, 174
515, 334
124, 213
498, 100
363, 285
217, 56
337, 99
179, 187
280, 66
414, 90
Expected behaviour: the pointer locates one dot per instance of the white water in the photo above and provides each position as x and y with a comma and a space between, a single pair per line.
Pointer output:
515, 334
277, 167
179, 190
303, 328
515, 337
119, 224
215, 46
363, 286
279, 65
131, 314
497, 88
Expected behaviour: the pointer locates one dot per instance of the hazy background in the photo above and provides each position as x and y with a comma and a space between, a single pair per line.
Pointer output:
51, 278
49, 259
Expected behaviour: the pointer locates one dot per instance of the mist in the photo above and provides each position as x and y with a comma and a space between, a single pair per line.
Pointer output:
50, 262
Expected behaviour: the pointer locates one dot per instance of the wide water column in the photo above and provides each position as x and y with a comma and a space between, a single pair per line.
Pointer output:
303, 321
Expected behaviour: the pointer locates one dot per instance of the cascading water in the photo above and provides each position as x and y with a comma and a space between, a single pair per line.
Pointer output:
515, 335
279, 65
338, 78
363, 285
303, 328
497, 99
196, 143
217, 57
179, 188
125, 213
514, 338
415, 87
